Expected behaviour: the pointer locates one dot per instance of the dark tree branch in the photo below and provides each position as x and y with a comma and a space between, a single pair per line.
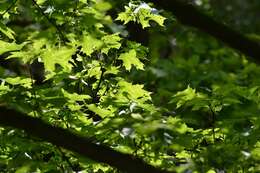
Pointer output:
191, 16
68, 140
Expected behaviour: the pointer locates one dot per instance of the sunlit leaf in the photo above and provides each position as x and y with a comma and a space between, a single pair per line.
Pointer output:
8, 47
129, 59
60, 56
7, 31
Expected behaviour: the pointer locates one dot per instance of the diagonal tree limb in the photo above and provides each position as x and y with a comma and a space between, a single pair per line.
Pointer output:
68, 140
187, 14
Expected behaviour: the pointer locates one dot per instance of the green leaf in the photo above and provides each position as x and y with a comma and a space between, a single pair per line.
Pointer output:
133, 92
8, 47
40, 2
151, 127
112, 70
73, 97
99, 111
110, 41
126, 16
90, 44
158, 19
7, 31
141, 13
32, 50
26, 82
4, 88
103, 6
145, 16
94, 69
53, 55
129, 59
189, 94
23, 169
178, 125
137, 116
23, 55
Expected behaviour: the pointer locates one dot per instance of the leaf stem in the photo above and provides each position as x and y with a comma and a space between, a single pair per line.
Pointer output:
99, 84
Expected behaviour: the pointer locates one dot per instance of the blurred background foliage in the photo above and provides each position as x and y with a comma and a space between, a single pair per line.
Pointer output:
182, 56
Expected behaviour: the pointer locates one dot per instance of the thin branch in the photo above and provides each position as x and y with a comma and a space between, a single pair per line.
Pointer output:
9, 8
100, 81
82, 145
95, 96
213, 123
62, 37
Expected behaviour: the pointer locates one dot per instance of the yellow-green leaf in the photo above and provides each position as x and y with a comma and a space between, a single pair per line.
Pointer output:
100, 111
59, 56
90, 44
111, 41
8, 47
7, 31
129, 59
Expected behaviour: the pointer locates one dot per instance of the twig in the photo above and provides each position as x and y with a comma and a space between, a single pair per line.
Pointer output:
100, 80
99, 84
213, 123
62, 37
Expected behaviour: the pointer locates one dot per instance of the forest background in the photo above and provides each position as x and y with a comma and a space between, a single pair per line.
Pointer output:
129, 86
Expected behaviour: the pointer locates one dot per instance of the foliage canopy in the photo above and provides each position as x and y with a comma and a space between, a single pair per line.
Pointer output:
179, 100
